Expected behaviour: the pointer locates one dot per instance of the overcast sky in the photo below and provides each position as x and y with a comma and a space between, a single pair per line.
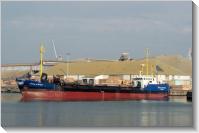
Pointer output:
99, 30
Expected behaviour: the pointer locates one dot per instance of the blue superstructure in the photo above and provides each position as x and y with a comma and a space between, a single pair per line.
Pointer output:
39, 85
157, 88
31, 84
149, 83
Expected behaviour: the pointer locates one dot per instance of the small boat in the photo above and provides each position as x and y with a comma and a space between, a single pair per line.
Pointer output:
189, 95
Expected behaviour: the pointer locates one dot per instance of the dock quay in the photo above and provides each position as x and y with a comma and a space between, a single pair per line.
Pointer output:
10, 89
178, 92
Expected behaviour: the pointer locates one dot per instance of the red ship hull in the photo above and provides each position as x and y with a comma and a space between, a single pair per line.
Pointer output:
28, 95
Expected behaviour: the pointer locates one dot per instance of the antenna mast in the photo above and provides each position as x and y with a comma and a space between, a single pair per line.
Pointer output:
147, 61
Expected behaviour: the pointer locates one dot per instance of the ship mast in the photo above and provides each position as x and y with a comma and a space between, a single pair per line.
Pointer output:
147, 61
41, 59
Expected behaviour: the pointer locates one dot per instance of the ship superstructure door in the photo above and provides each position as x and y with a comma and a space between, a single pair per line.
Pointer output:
137, 82
89, 81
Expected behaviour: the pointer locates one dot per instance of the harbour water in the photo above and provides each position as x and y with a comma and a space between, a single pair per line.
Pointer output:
175, 112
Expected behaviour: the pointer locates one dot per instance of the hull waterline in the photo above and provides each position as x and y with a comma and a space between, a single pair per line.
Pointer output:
89, 96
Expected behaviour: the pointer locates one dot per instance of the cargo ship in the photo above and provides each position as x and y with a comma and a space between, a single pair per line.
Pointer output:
142, 88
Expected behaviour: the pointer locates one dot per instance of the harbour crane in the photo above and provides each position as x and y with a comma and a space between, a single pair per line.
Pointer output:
54, 50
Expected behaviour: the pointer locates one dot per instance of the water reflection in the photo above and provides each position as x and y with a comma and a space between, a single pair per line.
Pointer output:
175, 112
